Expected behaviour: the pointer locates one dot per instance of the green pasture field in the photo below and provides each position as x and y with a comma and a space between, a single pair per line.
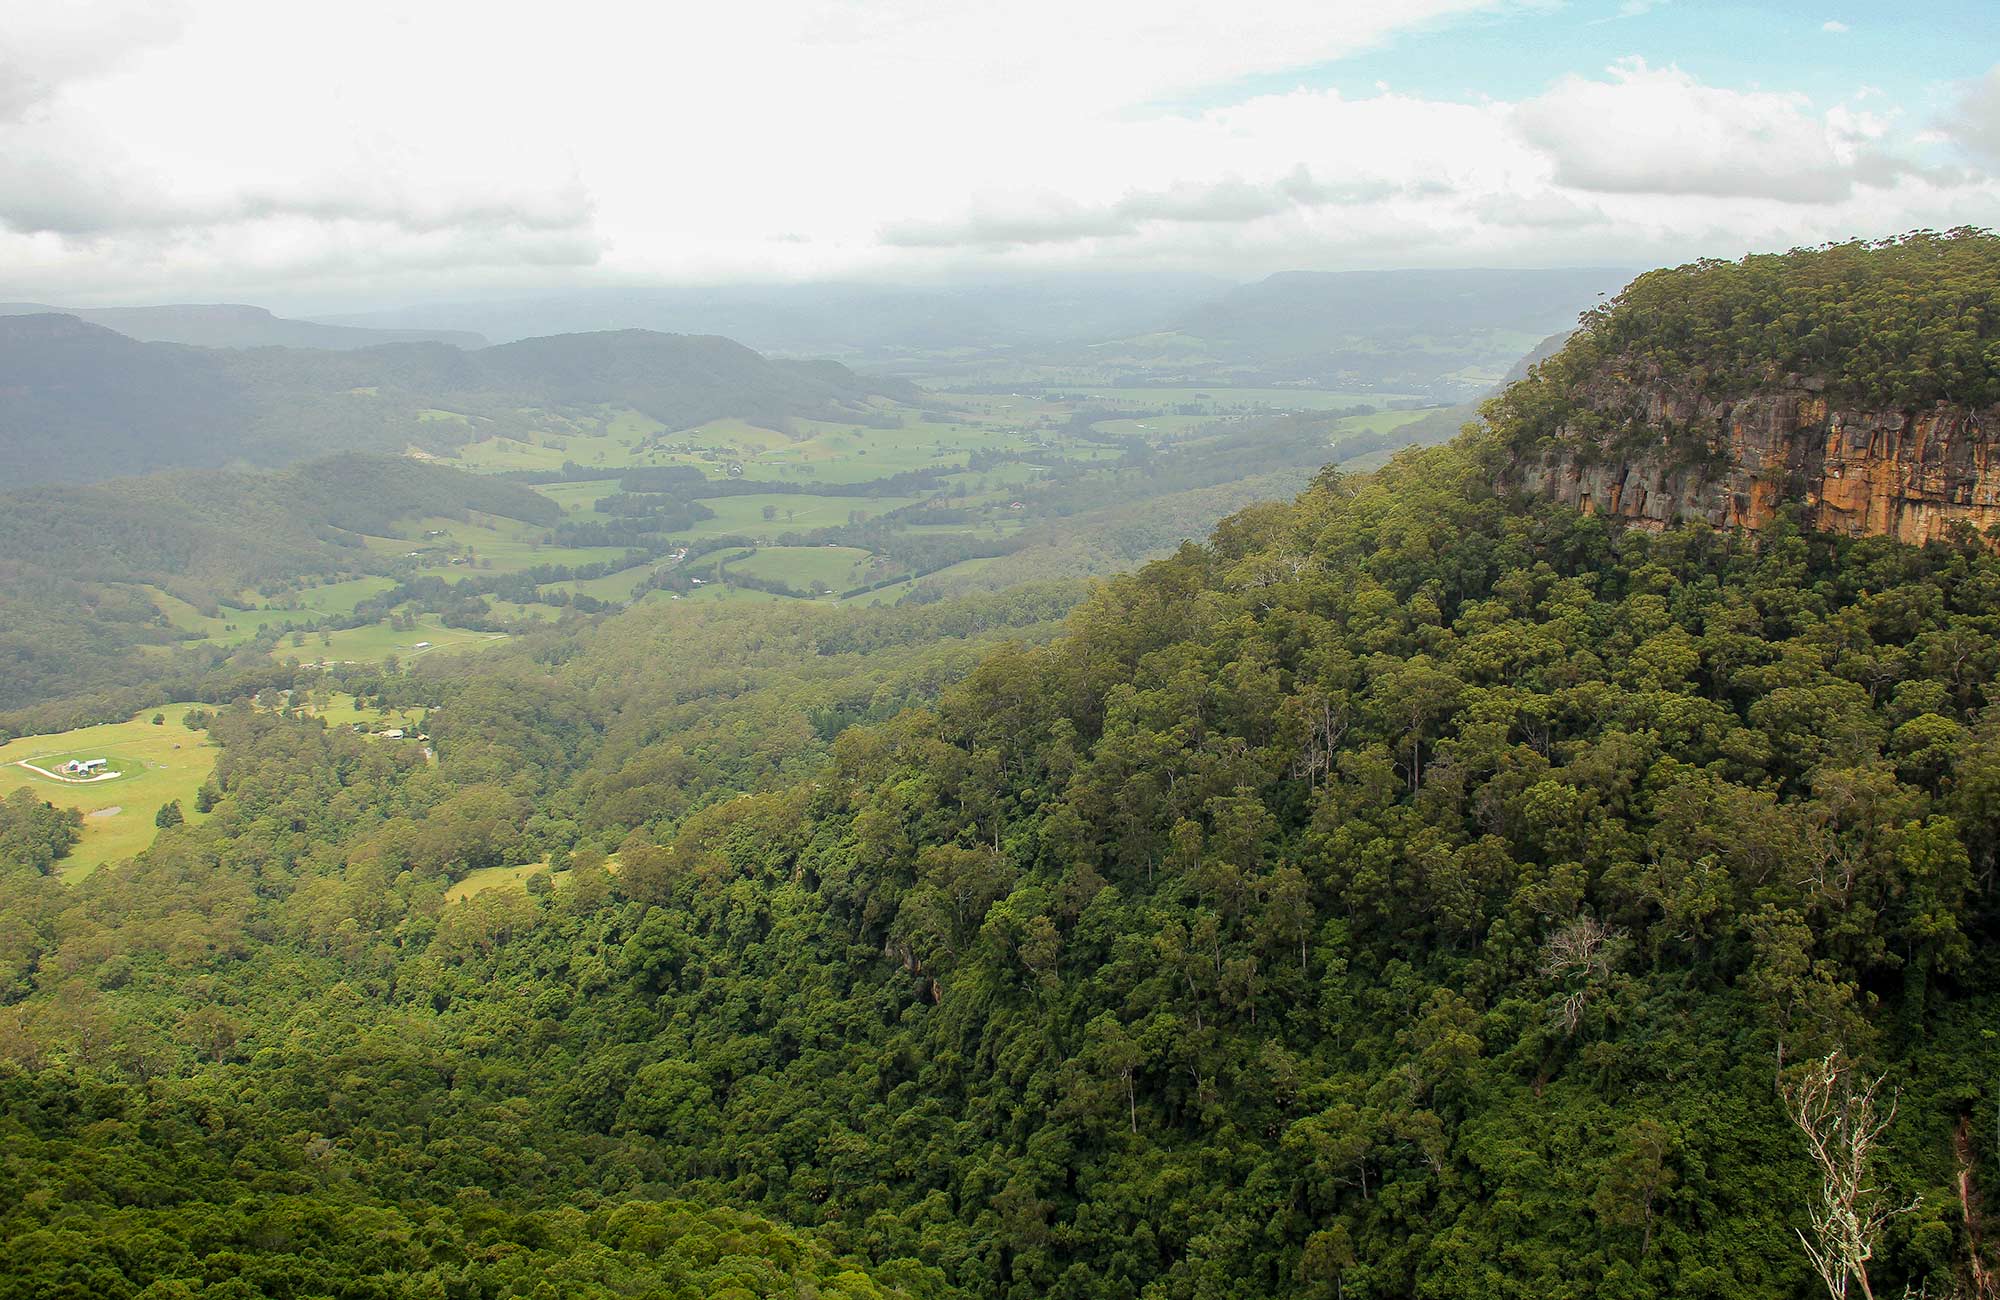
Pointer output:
509, 545
610, 438
797, 512
716, 593
1236, 400
886, 596
1153, 427
235, 626
613, 587
485, 878
741, 435
340, 709
855, 455
1375, 422
581, 497
189, 619
339, 597
530, 612
509, 453
629, 426
156, 766
377, 641
835, 567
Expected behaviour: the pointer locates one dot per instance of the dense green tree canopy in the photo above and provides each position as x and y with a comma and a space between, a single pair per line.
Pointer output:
1412, 891
1891, 323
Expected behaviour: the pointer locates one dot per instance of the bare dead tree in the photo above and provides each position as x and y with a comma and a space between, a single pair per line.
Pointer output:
1843, 1125
1326, 723
1578, 957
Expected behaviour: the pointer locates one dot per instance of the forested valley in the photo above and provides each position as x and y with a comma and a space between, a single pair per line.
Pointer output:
1417, 888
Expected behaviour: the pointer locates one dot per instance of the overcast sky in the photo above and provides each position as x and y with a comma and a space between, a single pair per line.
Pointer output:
330, 155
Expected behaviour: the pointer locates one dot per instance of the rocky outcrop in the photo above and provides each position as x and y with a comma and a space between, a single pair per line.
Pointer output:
1906, 474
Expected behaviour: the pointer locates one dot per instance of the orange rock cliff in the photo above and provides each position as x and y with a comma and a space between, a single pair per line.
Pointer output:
1907, 474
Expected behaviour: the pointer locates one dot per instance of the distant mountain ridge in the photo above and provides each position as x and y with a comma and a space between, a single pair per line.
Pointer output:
234, 325
836, 318
85, 403
1446, 334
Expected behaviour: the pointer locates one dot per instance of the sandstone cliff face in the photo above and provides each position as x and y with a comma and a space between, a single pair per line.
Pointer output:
1906, 474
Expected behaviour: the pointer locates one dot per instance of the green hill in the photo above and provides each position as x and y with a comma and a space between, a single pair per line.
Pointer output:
76, 561
1414, 890
1418, 888
228, 325
85, 403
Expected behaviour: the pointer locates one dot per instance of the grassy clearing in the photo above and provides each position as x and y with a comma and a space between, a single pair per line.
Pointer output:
578, 498
235, 626
339, 709
889, 595
1153, 426
616, 587
1376, 422
158, 765
794, 512
377, 641
340, 597
739, 434
1239, 399
716, 594
485, 878
855, 455
486, 544
836, 568
531, 612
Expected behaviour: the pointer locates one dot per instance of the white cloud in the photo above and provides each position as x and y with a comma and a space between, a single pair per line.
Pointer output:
256, 150
1833, 25
1659, 131
46, 47
1003, 221
1974, 120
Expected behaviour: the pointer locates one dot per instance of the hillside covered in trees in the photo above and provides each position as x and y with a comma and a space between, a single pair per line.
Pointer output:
85, 403
1419, 888
73, 559
1902, 322
1412, 891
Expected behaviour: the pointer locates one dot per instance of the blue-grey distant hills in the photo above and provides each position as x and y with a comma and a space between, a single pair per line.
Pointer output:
850, 321
231, 325
1444, 335
84, 403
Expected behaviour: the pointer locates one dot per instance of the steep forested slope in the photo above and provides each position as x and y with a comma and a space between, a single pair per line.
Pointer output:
1414, 891
1421, 889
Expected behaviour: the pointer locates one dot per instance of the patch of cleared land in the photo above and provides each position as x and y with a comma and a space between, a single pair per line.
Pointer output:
339, 709
793, 512
578, 498
157, 765
485, 544
1240, 399
378, 641
478, 882
834, 568
896, 591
